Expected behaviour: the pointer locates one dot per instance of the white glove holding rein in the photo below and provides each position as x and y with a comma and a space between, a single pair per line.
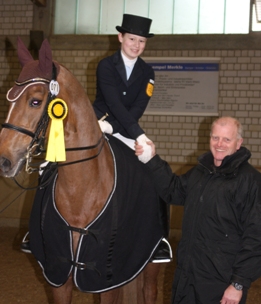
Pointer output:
105, 126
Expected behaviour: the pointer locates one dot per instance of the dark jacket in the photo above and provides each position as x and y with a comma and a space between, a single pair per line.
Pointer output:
221, 230
124, 100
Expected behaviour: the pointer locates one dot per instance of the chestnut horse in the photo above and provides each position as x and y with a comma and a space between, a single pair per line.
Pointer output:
83, 188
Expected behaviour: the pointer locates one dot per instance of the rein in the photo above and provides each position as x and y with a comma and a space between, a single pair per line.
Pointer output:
101, 140
56, 165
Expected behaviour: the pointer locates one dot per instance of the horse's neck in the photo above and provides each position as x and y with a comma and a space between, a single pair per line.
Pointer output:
83, 188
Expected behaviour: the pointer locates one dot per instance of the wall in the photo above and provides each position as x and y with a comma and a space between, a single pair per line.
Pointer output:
179, 139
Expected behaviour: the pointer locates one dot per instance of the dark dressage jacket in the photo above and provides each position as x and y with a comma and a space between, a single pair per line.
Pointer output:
221, 230
124, 100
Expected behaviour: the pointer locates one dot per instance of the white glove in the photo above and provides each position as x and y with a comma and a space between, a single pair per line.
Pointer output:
147, 153
105, 126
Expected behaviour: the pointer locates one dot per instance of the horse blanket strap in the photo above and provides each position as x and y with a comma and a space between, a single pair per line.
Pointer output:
128, 226
82, 231
80, 266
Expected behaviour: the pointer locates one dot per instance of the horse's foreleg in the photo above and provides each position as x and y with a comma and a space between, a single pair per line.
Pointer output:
111, 297
63, 294
150, 283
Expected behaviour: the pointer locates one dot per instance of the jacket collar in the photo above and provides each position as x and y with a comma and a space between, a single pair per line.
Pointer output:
120, 67
230, 163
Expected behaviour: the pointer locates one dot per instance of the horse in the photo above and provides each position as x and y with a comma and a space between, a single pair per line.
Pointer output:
94, 221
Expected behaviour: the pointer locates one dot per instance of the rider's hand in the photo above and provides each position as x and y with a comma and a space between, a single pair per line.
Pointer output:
105, 126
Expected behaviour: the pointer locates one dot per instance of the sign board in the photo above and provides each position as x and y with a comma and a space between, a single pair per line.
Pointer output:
184, 86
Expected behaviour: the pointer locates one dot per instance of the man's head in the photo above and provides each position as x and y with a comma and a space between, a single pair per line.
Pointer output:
225, 138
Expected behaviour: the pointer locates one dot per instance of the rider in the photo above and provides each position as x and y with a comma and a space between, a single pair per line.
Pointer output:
125, 85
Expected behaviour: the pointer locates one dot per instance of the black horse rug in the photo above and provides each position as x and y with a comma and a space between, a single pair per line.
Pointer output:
116, 246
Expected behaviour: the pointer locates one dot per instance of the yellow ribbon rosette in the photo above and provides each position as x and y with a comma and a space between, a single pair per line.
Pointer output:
57, 111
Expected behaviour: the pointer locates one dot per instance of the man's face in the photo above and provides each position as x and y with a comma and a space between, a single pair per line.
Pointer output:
132, 46
224, 141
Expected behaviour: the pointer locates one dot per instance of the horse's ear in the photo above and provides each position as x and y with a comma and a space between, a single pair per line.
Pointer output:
45, 58
24, 55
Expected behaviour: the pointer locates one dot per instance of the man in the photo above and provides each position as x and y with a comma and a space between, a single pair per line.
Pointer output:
219, 254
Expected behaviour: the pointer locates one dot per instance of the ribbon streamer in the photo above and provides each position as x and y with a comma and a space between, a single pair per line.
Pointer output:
57, 111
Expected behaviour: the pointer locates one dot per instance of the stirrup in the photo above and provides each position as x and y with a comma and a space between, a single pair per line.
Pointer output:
163, 254
25, 246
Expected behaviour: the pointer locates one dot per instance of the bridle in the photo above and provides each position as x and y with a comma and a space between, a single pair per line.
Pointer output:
36, 146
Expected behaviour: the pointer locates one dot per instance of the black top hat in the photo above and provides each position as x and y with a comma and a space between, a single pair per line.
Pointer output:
135, 25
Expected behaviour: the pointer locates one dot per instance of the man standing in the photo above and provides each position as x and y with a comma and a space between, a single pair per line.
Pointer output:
219, 254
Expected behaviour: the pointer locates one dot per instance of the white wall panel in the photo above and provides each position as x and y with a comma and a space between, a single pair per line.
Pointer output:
88, 17
137, 7
111, 15
237, 12
185, 19
162, 16
169, 16
65, 17
211, 17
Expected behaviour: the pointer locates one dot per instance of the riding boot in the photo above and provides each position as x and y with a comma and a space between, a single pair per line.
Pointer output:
163, 253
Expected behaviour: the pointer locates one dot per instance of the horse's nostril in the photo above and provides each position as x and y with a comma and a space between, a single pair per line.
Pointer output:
5, 164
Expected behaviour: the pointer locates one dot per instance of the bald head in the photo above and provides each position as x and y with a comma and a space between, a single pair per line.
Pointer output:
227, 120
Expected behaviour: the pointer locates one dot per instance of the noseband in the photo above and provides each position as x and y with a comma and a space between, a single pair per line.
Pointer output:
19, 129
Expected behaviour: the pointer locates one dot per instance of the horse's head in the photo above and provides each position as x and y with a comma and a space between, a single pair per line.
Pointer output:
28, 99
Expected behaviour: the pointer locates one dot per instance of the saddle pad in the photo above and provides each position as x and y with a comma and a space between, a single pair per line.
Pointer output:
116, 246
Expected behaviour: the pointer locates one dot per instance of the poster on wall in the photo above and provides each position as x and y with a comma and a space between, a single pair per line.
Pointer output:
184, 86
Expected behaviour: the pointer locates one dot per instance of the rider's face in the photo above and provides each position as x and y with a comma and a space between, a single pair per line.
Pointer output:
132, 46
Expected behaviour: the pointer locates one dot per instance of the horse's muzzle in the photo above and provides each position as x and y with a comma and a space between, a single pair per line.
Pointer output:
6, 168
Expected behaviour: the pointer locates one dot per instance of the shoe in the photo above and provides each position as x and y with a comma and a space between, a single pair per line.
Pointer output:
163, 254
25, 246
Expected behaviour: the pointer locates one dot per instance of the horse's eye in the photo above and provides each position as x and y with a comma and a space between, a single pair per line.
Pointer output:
35, 103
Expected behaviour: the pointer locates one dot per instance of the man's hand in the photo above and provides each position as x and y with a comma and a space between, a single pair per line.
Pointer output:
231, 296
144, 148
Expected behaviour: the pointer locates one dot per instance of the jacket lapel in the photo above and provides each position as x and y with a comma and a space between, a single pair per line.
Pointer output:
120, 67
